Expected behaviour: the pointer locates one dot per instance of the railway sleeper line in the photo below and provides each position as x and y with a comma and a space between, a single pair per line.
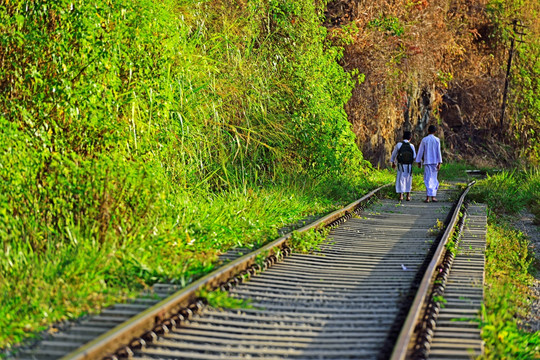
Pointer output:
310, 307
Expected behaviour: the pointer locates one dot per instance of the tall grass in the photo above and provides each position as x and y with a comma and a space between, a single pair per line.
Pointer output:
140, 139
81, 274
509, 264
508, 192
507, 298
139, 95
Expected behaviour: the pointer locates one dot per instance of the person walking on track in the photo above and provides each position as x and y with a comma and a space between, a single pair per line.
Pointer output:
404, 155
429, 153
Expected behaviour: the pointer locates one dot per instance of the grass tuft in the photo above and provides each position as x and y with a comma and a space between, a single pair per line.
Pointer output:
507, 297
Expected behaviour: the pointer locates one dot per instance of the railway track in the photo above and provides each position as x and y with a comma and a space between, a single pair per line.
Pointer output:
381, 287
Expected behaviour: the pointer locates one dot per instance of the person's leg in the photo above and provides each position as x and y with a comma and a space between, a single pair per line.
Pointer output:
436, 181
426, 182
400, 184
407, 181
430, 179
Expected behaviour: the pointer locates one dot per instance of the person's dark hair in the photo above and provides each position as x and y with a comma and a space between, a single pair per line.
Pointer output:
432, 129
407, 135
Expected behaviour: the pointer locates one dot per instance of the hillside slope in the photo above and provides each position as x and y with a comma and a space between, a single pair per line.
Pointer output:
140, 139
443, 62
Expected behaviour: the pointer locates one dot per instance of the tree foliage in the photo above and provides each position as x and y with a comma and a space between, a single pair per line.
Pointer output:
518, 19
107, 106
138, 139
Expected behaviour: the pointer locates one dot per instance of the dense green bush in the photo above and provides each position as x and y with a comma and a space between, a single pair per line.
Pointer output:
100, 99
139, 139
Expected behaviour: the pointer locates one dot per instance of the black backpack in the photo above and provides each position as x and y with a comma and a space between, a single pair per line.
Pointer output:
405, 155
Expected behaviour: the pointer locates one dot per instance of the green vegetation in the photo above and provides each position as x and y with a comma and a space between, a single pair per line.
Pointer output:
221, 299
506, 298
141, 139
509, 264
388, 24
436, 229
524, 101
440, 299
508, 192
308, 240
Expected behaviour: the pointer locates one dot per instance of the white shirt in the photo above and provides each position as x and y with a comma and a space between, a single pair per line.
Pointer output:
396, 149
430, 149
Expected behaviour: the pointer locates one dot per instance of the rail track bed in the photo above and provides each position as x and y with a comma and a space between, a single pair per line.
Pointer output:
457, 334
338, 303
347, 300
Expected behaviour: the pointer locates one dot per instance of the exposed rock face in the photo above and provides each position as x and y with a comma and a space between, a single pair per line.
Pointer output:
451, 115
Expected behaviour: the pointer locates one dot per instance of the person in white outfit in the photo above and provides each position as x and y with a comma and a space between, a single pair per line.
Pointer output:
403, 157
430, 153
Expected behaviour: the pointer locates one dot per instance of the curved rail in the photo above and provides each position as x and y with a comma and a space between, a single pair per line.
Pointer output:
406, 339
155, 316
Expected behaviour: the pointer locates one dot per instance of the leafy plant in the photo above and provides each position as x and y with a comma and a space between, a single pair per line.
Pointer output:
444, 78
310, 240
389, 24
507, 263
437, 228
140, 139
440, 299
221, 299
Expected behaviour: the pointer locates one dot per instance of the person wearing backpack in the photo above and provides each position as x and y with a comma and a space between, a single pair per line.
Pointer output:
430, 152
403, 157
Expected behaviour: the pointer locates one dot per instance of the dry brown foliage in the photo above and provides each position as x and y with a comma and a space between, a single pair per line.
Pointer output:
443, 68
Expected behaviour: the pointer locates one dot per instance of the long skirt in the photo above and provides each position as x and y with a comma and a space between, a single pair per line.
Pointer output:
404, 178
430, 179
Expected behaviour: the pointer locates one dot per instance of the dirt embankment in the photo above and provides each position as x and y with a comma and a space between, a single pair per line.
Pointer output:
425, 62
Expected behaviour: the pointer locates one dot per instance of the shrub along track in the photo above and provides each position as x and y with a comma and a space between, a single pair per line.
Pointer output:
351, 298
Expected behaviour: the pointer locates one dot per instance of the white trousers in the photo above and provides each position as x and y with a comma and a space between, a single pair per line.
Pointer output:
404, 178
430, 179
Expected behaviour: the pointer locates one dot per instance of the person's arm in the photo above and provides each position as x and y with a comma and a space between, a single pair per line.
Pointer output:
439, 155
394, 154
420, 154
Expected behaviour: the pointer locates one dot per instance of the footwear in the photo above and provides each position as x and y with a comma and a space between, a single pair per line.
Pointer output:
427, 201
408, 198
434, 200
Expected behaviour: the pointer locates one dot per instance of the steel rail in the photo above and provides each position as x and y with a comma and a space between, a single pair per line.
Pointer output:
429, 321
147, 320
406, 339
